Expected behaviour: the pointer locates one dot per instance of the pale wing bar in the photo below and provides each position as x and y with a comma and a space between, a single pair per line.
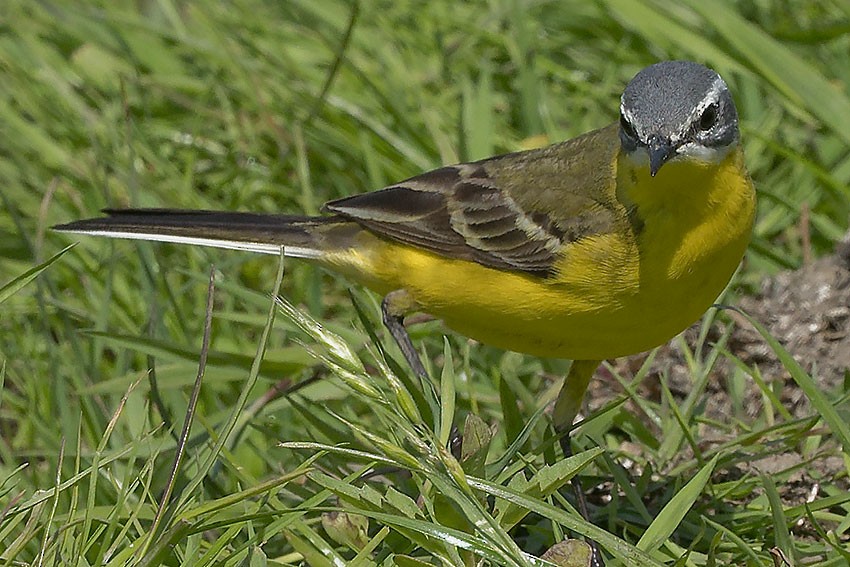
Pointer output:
458, 212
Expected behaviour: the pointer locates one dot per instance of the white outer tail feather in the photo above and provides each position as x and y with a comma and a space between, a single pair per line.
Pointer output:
259, 247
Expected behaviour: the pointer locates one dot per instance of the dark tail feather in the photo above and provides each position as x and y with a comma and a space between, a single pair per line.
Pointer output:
301, 236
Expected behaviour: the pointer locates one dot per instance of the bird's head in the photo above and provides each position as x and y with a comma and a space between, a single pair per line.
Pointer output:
677, 110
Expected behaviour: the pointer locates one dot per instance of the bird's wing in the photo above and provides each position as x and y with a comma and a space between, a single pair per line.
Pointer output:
513, 212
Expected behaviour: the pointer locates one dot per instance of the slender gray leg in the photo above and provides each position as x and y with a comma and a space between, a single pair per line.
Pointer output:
567, 407
393, 308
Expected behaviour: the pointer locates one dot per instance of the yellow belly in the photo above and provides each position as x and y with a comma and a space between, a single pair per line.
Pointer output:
613, 295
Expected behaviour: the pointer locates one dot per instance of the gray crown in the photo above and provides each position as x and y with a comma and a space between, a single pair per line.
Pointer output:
679, 106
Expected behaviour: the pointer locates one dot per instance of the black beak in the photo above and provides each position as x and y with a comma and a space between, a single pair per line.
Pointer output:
660, 150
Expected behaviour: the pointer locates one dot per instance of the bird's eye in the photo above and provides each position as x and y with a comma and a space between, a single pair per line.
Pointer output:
708, 118
627, 127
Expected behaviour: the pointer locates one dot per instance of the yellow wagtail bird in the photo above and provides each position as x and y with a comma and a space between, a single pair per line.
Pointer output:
605, 245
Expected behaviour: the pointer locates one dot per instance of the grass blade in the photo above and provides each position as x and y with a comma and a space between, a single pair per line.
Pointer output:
671, 515
12, 287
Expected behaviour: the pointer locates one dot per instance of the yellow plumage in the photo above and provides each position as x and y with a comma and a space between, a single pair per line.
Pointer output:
614, 294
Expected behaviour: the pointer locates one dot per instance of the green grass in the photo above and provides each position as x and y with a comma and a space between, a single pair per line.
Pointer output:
308, 443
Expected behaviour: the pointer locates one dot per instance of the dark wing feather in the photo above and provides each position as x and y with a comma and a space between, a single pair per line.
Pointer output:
473, 212
457, 212
404, 214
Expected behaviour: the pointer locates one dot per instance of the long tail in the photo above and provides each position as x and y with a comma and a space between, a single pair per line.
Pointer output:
302, 237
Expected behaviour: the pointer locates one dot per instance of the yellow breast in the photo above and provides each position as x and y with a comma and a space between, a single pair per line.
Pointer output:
614, 294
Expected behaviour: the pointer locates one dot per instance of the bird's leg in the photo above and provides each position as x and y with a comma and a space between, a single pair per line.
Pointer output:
396, 303
567, 407
393, 307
